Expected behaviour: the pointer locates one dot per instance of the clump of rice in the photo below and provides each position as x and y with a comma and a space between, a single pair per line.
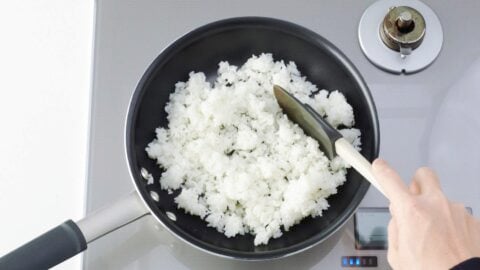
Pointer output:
240, 163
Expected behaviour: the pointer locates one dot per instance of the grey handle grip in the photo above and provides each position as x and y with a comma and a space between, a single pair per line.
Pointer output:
47, 250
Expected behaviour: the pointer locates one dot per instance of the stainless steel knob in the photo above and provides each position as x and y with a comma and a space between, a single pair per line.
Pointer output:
403, 29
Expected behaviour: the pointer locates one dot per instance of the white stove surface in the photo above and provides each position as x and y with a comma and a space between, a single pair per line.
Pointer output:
428, 118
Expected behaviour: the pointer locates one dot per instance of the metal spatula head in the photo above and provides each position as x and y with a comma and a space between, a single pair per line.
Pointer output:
309, 120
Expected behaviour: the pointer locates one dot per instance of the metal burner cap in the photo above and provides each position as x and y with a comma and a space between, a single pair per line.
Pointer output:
403, 29
393, 35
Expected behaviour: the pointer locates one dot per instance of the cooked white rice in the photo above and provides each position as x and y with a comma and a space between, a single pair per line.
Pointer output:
240, 163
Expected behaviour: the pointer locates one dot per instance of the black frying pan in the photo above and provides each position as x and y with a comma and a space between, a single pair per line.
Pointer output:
234, 40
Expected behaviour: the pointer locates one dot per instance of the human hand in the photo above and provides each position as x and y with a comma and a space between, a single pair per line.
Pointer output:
426, 231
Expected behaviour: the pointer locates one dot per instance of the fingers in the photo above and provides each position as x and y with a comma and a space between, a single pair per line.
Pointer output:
392, 235
395, 189
426, 180
414, 188
459, 210
392, 243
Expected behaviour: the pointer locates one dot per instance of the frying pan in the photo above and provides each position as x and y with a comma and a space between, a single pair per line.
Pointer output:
234, 40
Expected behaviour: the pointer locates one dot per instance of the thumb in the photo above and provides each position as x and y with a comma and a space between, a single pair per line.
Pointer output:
394, 187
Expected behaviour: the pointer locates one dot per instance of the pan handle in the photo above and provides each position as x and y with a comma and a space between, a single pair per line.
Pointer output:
112, 217
70, 238
47, 250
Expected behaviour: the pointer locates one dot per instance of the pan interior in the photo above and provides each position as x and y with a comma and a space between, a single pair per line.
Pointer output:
235, 40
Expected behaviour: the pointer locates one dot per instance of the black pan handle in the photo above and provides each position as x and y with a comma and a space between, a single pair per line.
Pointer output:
47, 250
70, 238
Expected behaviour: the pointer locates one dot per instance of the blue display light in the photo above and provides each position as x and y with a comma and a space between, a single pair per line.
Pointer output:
359, 261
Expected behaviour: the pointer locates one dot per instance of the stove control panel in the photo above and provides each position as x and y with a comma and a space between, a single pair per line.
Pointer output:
365, 243
359, 261
370, 228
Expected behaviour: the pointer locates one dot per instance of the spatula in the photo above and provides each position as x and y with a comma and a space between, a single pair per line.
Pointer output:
330, 140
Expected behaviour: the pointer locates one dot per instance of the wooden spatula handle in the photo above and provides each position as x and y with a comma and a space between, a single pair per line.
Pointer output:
346, 151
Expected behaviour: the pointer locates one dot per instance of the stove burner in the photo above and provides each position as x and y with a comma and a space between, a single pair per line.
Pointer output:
401, 45
403, 29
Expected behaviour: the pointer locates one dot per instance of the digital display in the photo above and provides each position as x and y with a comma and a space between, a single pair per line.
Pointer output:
371, 228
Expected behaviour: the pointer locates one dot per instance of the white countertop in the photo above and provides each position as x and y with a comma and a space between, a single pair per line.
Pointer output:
45, 53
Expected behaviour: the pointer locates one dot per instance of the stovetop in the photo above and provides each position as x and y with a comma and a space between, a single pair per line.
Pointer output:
130, 34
